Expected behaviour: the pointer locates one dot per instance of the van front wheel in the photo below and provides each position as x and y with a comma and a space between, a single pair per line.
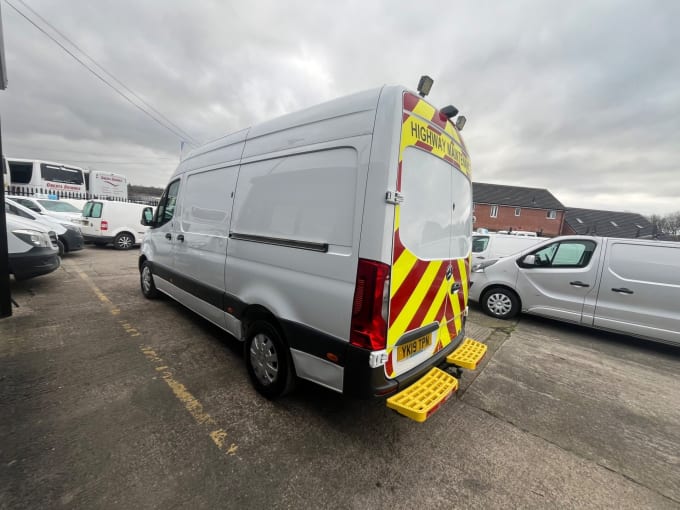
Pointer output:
500, 302
146, 280
268, 360
124, 241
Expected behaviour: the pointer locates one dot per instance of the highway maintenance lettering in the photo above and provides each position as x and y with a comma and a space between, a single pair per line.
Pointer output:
439, 143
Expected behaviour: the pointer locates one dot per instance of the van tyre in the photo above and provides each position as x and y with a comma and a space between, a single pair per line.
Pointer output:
62, 248
500, 302
124, 241
268, 360
146, 280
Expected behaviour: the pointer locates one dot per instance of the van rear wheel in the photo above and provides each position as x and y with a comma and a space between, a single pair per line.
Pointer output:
268, 360
124, 241
500, 302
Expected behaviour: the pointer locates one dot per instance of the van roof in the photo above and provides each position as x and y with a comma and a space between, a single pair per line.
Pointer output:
354, 103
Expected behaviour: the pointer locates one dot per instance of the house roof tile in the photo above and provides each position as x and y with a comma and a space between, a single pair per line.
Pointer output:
516, 196
608, 223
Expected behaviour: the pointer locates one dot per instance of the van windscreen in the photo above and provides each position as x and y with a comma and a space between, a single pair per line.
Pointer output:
58, 206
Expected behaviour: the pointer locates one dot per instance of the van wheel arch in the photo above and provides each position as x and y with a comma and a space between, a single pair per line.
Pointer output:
253, 313
498, 305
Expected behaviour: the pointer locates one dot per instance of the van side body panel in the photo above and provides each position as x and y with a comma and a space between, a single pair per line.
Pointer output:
639, 292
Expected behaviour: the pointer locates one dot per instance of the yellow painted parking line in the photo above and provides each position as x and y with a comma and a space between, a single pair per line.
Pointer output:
194, 407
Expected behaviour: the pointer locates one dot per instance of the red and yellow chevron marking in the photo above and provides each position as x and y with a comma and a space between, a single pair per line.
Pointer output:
419, 291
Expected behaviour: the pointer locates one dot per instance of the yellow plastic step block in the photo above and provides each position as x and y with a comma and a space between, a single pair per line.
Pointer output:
468, 354
425, 396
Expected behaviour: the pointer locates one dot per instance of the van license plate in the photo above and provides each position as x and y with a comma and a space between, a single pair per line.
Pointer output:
413, 347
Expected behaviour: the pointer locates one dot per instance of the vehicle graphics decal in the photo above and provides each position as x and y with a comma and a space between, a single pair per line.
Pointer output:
420, 292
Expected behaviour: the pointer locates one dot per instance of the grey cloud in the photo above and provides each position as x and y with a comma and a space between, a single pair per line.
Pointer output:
574, 97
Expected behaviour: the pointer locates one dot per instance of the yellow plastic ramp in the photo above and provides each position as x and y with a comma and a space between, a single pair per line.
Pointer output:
425, 396
468, 354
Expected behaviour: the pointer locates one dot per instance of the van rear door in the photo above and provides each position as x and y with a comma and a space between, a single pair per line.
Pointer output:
432, 229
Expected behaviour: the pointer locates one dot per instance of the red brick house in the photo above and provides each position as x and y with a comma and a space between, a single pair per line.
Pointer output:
499, 207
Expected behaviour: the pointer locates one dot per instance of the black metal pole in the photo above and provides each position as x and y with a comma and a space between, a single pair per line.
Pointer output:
5, 295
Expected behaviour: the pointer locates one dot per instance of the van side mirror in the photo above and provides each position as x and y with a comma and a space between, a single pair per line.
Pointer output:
147, 217
529, 260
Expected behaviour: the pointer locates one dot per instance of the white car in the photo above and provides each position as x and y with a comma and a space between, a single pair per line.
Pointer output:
56, 208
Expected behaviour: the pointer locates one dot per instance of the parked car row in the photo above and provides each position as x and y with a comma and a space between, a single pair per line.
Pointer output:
630, 286
69, 235
32, 220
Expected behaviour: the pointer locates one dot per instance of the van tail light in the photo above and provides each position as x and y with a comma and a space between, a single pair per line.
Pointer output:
105, 225
369, 310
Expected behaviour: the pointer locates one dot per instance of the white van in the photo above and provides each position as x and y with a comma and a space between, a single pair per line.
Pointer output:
118, 223
32, 249
631, 286
494, 246
334, 242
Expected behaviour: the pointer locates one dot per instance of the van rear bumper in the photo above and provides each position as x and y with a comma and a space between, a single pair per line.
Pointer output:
362, 381
35, 262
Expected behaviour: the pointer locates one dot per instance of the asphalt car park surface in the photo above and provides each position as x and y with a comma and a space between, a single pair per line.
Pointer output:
108, 400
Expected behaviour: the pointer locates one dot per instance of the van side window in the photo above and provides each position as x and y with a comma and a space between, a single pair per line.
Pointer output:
166, 207
565, 254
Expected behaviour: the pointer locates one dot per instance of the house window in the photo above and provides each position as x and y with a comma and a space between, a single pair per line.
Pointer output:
518, 210
613, 223
579, 220
552, 214
494, 211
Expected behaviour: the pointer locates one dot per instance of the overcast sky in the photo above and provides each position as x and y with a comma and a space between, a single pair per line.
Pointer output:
580, 98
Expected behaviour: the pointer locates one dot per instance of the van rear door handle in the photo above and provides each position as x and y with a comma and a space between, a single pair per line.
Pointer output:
579, 284
180, 237
455, 287
623, 290
168, 236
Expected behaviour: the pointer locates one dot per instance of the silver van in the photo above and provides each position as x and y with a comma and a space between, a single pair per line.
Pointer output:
334, 242
630, 286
